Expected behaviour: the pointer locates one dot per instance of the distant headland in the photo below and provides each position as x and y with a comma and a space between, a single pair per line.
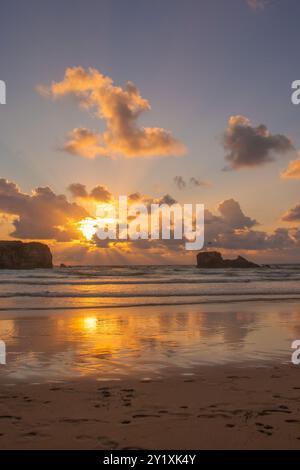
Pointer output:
214, 260
19, 255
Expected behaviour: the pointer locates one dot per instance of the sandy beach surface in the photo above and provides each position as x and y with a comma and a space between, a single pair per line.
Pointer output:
149, 357
219, 407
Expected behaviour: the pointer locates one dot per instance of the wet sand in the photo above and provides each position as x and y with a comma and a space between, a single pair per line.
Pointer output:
219, 407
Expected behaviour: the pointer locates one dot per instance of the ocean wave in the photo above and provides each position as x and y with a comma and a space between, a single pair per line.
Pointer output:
201, 301
126, 295
226, 278
128, 282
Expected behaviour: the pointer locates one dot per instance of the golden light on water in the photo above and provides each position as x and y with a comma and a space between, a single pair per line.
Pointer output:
90, 323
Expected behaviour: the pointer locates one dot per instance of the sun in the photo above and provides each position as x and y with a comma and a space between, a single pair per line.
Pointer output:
88, 227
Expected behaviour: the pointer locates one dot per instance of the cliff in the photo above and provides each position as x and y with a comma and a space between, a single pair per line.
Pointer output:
19, 255
214, 259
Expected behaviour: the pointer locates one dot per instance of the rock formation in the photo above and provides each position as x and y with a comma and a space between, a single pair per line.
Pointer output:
19, 255
214, 259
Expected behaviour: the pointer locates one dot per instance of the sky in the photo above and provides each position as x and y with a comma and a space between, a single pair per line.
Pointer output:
206, 118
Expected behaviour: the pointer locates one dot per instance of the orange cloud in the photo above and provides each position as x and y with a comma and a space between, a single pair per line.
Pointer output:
257, 4
120, 108
45, 215
292, 215
85, 143
293, 169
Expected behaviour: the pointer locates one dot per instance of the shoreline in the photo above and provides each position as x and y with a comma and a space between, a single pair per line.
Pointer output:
133, 306
162, 378
219, 407
46, 345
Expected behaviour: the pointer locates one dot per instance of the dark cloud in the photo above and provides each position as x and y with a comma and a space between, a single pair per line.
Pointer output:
232, 215
179, 182
78, 190
166, 199
199, 183
46, 215
233, 230
40, 215
135, 197
250, 146
292, 215
99, 193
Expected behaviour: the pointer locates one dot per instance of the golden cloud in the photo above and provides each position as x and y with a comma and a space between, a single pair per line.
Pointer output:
293, 170
120, 108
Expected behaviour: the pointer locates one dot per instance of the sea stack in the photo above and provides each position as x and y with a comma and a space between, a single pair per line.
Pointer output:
214, 260
19, 255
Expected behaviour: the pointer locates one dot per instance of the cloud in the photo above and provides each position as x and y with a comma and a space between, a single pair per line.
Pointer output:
231, 229
250, 146
293, 169
99, 193
78, 190
135, 197
292, 215
40, 215
181, 183
120, 108
257, 4
85, 143
199, 183
166, 199
253, 240
232, 215
45, 215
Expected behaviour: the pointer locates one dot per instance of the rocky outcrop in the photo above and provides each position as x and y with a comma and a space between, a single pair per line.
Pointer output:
214, 259
19, 255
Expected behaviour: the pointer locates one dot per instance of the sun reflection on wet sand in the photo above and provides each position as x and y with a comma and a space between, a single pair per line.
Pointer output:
117, 342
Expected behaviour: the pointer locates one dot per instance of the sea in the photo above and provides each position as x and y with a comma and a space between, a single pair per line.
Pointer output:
84, 287
113, 321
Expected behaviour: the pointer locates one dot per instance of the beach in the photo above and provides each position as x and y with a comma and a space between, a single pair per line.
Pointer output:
91, 363
219, 407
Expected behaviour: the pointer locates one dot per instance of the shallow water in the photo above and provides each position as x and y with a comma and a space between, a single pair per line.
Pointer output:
90, 287
147, 342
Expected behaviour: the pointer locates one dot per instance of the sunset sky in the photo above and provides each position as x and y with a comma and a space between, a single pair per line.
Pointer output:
190, 99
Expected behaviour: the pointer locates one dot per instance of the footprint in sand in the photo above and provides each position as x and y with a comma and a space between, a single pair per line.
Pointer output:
83, 437
262, 431
107, 443
16, 418
145, 416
